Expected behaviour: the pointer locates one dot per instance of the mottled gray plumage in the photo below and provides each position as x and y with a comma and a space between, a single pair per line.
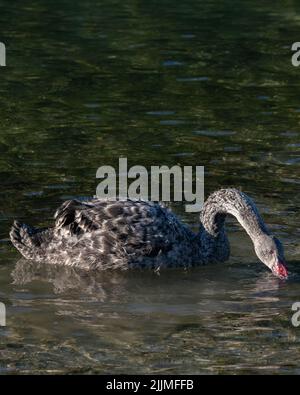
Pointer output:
102, 234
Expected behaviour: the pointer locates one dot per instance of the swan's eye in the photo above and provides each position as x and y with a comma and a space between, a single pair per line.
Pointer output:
271, 252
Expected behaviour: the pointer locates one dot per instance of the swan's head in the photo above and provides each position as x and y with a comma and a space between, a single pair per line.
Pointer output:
270, 251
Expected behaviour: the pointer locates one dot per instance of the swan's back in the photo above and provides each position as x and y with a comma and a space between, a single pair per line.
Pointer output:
108, 234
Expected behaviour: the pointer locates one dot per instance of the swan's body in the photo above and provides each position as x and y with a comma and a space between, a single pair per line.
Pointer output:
102, 234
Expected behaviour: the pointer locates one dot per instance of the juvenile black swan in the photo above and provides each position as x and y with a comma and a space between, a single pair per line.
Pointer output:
102, 234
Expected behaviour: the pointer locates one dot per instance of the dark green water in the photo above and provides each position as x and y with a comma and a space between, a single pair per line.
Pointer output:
161, 82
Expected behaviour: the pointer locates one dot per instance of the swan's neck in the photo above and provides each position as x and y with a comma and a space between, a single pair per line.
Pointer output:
236, 203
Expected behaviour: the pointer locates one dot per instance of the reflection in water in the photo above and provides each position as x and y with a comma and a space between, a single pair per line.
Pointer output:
99, 285
216, 318
111, 284
161, 84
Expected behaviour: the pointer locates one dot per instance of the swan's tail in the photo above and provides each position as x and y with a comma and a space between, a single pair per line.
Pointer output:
25, 239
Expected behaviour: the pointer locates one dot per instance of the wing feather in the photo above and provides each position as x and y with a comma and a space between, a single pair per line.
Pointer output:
135, 228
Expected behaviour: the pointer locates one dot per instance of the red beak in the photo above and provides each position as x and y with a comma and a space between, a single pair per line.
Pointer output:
280, 270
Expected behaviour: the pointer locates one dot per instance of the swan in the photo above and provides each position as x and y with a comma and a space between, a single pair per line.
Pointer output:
104, 234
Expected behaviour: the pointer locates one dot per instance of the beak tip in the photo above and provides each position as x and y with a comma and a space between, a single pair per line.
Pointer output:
281, 271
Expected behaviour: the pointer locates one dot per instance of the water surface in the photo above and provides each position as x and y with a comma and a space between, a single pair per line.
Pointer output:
189, 83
